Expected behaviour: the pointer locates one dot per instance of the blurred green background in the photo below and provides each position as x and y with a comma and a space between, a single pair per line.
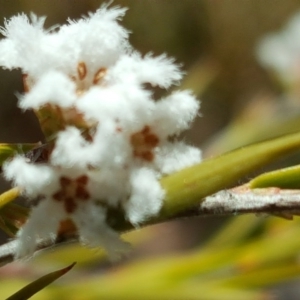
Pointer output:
215, 42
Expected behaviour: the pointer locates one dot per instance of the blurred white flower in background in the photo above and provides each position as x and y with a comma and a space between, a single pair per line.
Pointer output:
109, 140
280, 52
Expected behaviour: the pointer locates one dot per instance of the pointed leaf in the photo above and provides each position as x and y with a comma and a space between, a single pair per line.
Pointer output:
9, 196
287, 178
12, 217
37, 285
7, 229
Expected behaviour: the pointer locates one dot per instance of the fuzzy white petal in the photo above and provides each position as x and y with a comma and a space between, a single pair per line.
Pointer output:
23, 37
172, 157
71, 149
34, 179
94, 232
127, 104
39, 226
109, 184
158, 71
175, 113
54, 88
97, 40
146, 197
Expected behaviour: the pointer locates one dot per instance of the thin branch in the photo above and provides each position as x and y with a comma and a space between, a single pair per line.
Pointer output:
7, 253
241, 200
237, 201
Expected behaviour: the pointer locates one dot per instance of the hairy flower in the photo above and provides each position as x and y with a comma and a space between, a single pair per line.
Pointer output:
108, 138
280, 52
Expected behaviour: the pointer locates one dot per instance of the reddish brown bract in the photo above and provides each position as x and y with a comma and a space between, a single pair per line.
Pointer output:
81, 70
143, 143
72, 190
99, 75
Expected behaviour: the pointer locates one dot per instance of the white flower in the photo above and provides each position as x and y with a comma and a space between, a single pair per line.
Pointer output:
108, 139
98, 40
281, 52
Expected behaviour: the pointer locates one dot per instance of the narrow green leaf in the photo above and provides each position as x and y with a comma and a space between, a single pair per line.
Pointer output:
186, 188
6, 229
11, 216
15, 211
262, 277
9, 196
37, 285
9, 150
287, 178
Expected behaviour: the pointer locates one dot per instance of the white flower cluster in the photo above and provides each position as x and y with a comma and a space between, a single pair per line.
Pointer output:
281, 52
110, 140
